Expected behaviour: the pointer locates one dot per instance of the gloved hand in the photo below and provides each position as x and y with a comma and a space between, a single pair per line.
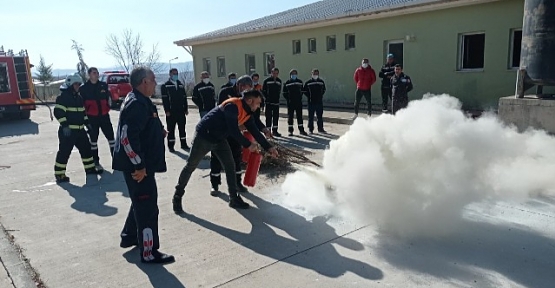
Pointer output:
66, 131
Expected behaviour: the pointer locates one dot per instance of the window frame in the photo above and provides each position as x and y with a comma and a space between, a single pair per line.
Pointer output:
267, 71
347, 48
5, 64
328, 38
297, 41
460, 64
315, 46
218, 66
247, 66
207, 65
512, 48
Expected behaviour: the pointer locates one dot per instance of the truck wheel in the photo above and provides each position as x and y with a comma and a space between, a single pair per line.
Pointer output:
25, 114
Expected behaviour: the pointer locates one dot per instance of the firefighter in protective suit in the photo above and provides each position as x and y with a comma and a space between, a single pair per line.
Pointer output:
70, 112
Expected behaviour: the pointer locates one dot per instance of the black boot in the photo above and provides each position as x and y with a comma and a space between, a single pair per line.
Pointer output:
61, 178
127, 242
237, 202
214, 190
302, 132
159, 258
177, 206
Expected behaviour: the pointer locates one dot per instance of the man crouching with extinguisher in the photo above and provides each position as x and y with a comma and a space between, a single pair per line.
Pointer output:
211, 133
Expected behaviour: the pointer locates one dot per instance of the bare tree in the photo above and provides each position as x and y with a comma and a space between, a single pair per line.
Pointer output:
187, 77
128, 50
82, 67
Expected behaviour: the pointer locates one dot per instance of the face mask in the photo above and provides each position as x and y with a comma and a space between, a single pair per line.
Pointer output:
293, 76
315, 77
364, 65
175, 77
206, 80
255, 83
233, 81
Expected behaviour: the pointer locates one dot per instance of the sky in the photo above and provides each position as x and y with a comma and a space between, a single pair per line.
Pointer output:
47, 27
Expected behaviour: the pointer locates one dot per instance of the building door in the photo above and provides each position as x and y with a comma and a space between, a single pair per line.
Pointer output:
396, 48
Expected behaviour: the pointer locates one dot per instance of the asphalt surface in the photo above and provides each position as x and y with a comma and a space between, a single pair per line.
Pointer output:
70, 233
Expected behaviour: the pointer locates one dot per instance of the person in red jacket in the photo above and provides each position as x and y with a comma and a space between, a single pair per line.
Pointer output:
364, 77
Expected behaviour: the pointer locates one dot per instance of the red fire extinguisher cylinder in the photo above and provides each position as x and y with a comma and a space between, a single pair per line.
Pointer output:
253, 166
246, 152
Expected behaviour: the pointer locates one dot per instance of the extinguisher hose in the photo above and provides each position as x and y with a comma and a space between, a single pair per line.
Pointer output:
45, 104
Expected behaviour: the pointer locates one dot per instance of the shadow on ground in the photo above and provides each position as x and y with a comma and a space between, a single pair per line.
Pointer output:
158, 275
10, 128
521, 255
310, 248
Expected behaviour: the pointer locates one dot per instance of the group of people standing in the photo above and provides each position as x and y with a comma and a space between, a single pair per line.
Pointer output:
395, 85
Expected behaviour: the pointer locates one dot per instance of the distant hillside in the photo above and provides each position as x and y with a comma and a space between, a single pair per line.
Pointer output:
181, 66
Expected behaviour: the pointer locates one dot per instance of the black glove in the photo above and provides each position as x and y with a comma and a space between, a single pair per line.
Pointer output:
66, 131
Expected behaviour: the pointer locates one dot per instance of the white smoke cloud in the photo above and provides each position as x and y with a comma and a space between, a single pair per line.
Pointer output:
414, 173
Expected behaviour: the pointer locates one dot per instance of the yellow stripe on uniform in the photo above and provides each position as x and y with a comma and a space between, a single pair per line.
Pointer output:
76, 127
87, 159
60, 165
89, 166
60, 172
63, 119
76, 109
60, 107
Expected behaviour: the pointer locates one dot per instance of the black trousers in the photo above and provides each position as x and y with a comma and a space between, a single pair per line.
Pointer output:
179, 120
142, 220
200, 148
79, 139
272, 116
398, 103
367, 94
292, 109
216, 165
386, 95
317, 109
105, 124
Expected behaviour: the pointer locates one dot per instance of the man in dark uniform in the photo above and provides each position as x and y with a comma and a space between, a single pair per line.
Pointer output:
231, 80
243, 84
387, 71
176, 107
258, 87
212, 133
293, 93
139, 154
69, 111
401, 84
272, 91
314, 89
96, 95
204, 95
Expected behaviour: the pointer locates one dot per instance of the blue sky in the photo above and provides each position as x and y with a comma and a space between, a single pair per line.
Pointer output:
47, 27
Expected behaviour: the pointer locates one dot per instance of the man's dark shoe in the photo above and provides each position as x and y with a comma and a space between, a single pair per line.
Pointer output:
322, 131
127, 242
241, 188
214, 191
303, 133
185, 147
159, 258
171, 149
61, 178
177, 206
238, 203
276, 134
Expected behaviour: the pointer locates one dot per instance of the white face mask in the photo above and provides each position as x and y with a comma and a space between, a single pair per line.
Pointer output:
315, 77
206, 80
364, 65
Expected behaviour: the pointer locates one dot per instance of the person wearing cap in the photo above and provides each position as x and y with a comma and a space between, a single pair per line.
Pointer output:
364, 77
70, 113
211, 136
387, 71
293, 93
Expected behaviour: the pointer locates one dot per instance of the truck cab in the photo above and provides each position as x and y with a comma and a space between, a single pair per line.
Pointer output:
17, 97
118, 84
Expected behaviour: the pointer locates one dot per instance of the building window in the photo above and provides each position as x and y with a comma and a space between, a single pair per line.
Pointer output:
250, 65
206, 65
312, 45
350, 41
330, 43
472, 51
395, 47
221, 66
270, 60
296, 47
516, 41
4, 79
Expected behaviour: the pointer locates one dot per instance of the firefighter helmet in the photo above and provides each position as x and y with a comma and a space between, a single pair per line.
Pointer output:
72, 79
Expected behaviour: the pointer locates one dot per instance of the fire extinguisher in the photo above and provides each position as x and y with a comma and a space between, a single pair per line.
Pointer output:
253, 165
246, 152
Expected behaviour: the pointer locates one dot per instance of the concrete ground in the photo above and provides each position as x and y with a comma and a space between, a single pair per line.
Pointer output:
70, 233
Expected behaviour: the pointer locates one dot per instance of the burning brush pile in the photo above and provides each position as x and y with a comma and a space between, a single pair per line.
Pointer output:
287, 157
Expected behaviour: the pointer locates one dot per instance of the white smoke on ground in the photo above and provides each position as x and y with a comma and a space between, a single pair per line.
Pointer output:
413, 173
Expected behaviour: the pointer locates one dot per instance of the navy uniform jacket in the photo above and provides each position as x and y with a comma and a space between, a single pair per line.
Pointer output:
387, 70
223, 121
293, 91
69, 109
174, 97
315, 90
272, 90
140, 136
400, 86
204, 96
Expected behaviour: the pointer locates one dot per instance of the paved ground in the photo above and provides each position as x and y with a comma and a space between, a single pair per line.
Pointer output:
70, 232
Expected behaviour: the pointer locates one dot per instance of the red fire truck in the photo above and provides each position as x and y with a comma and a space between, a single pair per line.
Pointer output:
119, 85
17, 97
